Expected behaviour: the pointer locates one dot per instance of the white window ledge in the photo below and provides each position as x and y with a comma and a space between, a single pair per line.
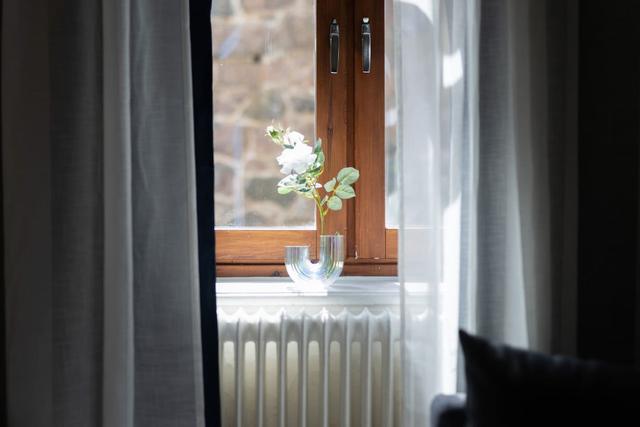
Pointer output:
257, 291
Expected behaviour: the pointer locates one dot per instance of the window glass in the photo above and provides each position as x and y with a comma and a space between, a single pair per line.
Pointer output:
263, 73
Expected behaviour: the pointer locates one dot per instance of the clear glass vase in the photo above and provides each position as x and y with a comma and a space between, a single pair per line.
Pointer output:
324, 272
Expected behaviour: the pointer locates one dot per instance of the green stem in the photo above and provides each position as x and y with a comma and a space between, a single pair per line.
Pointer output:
316, 198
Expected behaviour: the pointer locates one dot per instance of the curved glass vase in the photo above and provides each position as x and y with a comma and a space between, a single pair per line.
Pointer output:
324, 272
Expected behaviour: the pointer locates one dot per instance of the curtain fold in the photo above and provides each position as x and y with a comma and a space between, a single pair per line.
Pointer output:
524, 291
202, 77
487, 138
437, 87
102, 282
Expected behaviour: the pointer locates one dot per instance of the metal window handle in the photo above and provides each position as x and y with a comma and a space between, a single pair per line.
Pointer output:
366, 45
334, 46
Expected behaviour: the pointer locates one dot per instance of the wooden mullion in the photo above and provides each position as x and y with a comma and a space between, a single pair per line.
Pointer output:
334, 97
391, 243
369, 132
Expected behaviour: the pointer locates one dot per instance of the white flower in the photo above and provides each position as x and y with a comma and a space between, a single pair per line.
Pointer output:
293, 138
296, 159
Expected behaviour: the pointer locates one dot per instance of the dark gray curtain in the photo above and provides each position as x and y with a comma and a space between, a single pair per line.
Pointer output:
101, 256
527, 175
202, 77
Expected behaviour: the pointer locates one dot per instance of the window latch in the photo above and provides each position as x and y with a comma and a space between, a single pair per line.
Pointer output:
366, 45
334, 46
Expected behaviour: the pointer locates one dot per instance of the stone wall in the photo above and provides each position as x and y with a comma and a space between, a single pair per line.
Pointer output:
263, 73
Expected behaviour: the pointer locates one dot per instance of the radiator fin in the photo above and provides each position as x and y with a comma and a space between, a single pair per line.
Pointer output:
246, 403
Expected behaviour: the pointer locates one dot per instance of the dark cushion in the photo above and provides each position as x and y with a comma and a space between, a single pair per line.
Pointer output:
511, 387
448, 411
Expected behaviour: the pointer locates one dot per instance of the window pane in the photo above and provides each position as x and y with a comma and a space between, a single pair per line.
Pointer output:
263, 73
391, 121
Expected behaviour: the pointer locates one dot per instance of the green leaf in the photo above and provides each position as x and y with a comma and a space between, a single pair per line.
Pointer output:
348, 175
291, 182
317, 147
334, 203
274, 133
317, 166
315, 171
345, 191
284, 190
330, 185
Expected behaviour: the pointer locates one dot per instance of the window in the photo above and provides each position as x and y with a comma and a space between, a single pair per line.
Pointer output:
271, 64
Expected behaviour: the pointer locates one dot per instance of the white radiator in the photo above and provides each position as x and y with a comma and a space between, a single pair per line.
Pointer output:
293, 368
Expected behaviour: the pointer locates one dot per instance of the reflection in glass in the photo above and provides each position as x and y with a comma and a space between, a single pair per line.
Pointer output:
263, 72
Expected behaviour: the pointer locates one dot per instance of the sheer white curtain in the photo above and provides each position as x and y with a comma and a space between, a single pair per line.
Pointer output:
437, 87
486, 169
102, 304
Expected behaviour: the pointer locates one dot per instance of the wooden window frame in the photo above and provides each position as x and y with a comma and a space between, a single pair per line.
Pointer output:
350, 121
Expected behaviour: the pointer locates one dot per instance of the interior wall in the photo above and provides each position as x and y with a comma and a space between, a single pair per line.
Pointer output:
609, 159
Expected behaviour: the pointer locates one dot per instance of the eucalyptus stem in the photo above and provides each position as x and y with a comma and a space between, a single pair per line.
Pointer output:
316, 198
